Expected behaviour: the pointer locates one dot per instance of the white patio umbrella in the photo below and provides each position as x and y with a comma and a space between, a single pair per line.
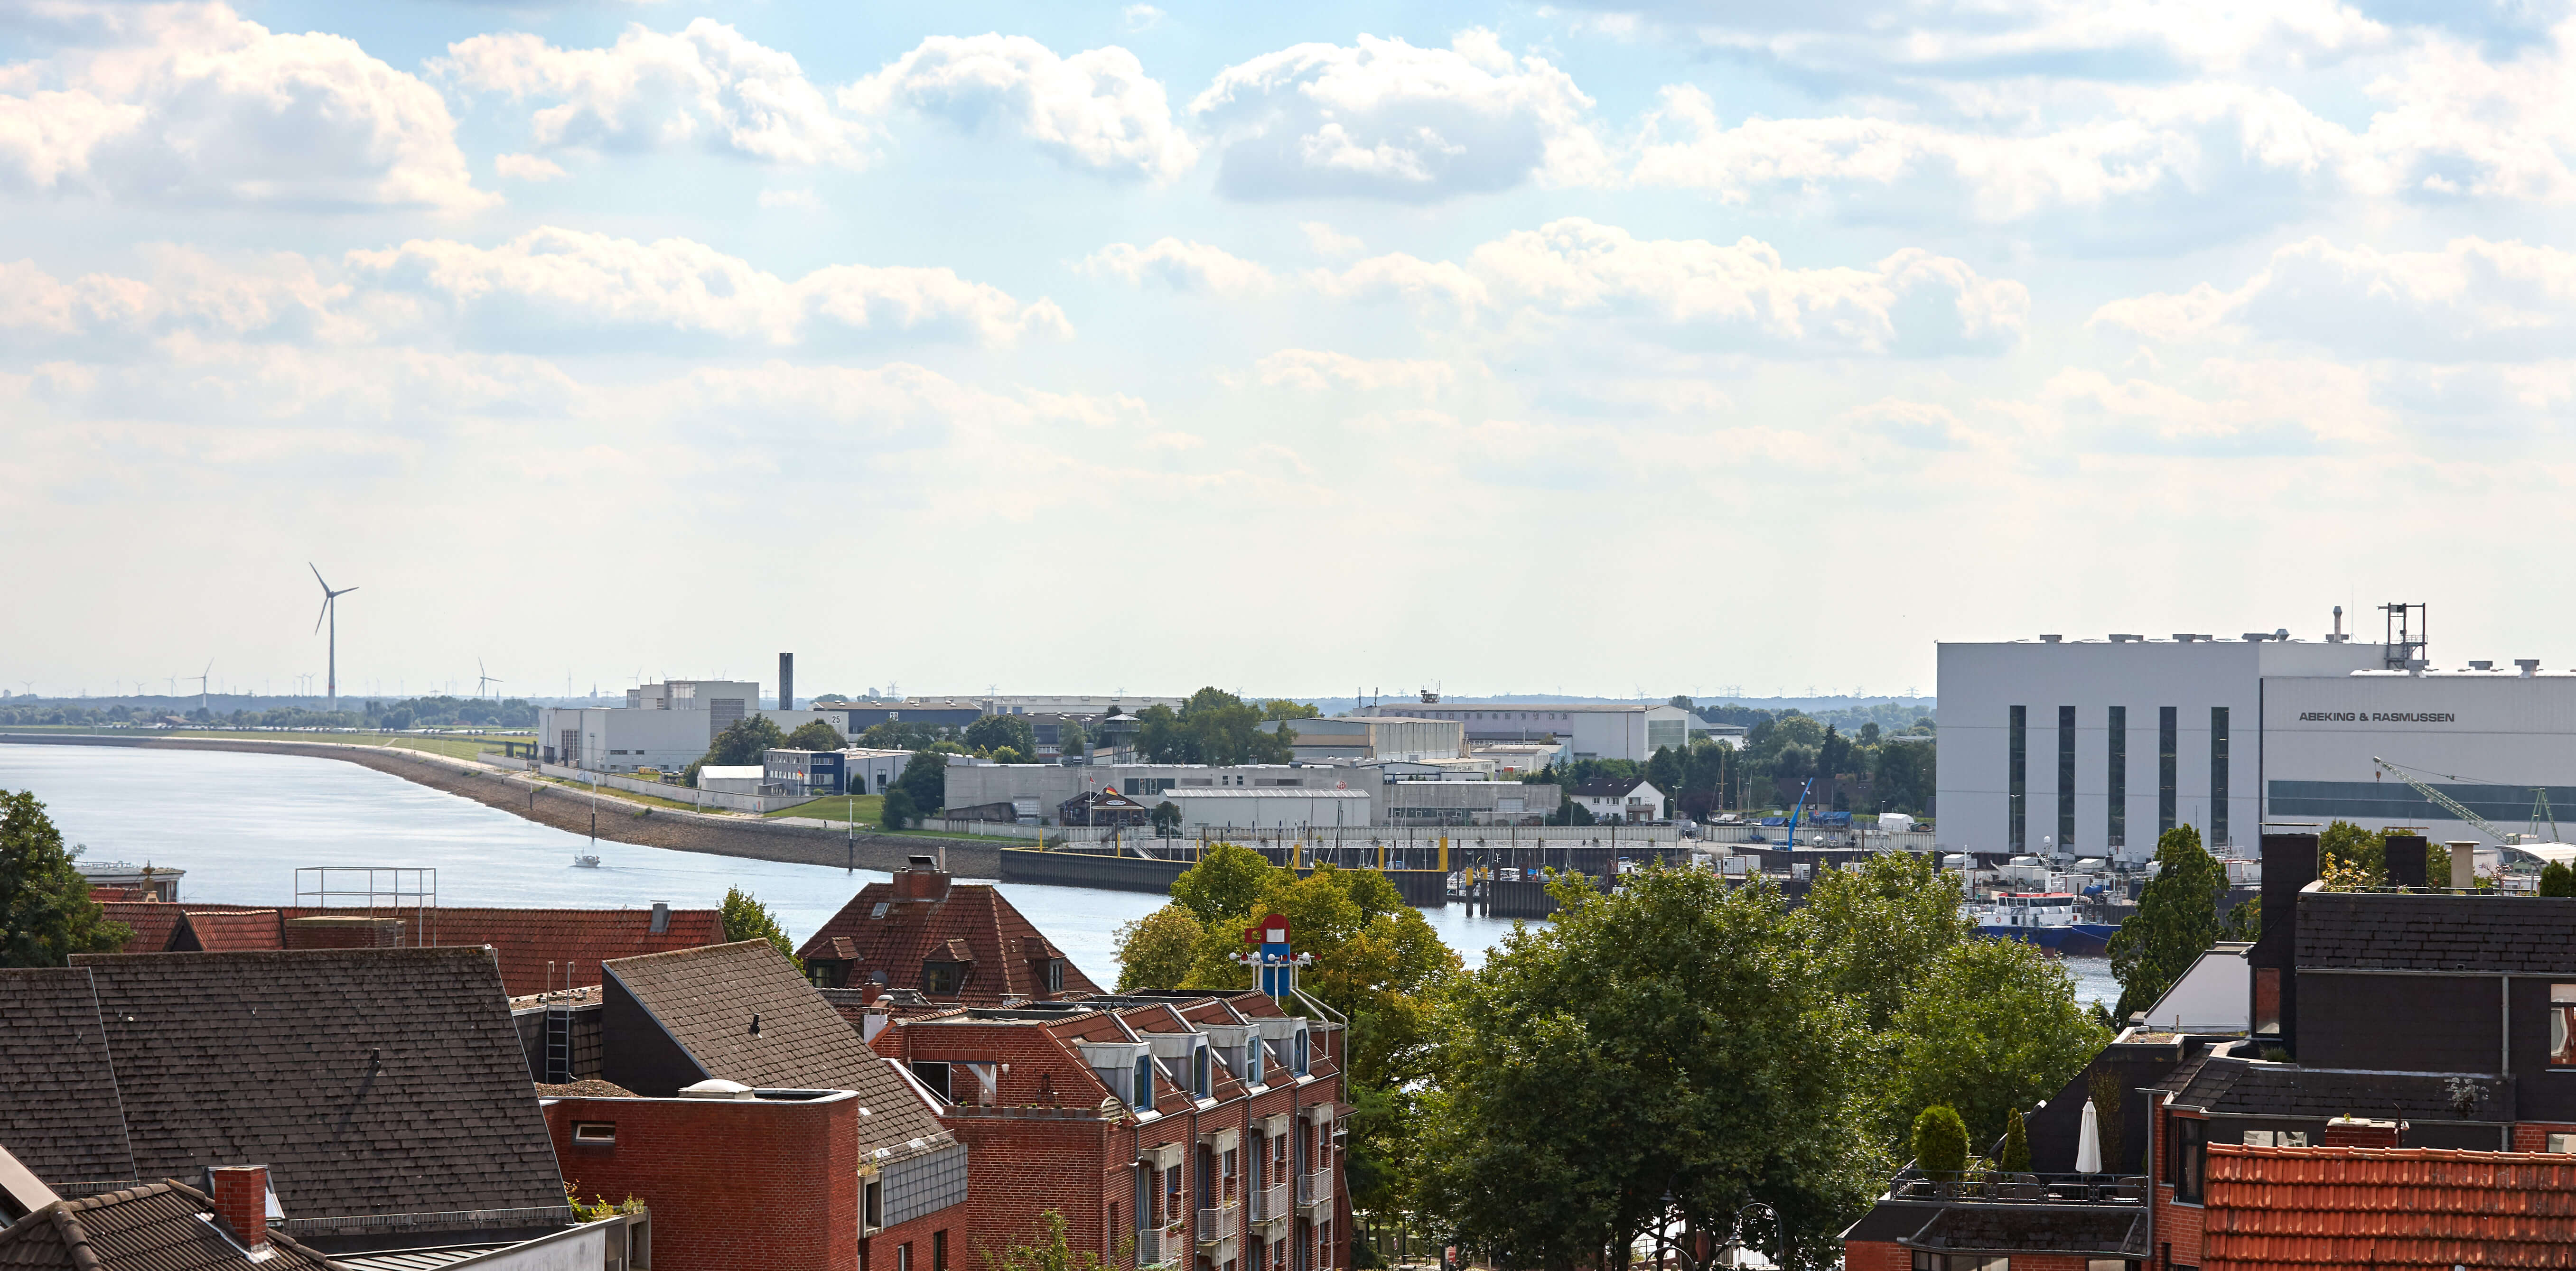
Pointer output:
2088, 1143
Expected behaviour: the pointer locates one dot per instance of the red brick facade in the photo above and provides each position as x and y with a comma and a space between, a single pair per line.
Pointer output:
734, 1185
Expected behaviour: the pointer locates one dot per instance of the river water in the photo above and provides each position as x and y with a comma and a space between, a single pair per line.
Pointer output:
242, 824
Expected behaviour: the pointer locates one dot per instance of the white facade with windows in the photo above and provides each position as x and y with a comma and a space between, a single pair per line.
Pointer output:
2093, 747
1590, 730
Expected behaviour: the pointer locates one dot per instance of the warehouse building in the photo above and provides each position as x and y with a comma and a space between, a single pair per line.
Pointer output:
1353, 738
2094, 747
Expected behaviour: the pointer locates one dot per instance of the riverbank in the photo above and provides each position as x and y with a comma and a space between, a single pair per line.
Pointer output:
572, 809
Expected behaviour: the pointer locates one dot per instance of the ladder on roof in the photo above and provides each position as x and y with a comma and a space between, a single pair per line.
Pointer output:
559, 1028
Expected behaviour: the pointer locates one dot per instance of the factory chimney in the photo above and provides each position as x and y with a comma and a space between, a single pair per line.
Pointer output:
787, 681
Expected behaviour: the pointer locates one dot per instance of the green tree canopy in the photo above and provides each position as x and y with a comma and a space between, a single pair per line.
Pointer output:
903, 734
2176, 921
998, 732
1158, 950
744, 741
1224, 885
1877, 931
1670, 1039
1050, 1249
898, 811
816, 735
1213, 727
747, 919
1284, 708
2015, 1158
925, 779
1940, 1142
1994, 1026
1070, 739
46, 914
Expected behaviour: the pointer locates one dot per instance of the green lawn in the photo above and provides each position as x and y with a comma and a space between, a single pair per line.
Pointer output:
608, 793
838, 807
458, 747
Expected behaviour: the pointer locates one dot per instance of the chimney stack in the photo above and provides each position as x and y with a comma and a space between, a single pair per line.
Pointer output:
662, 916
2406, 860
241, 1201
2363, 1132
921, 879
2464, 864
2289, 865
787, 681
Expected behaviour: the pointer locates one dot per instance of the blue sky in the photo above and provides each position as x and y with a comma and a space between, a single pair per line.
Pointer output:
1084, 348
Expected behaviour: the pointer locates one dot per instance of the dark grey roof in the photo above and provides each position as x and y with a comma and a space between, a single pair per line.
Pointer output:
706, 999
150, 1228
1607, 787
61, 1117
2111, 1231
369, 1081
2396, 931
2231, 1085
2181, 1078
1889, 1221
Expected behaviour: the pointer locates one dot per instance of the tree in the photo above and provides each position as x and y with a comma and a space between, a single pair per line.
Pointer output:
2176, 921
816, 735
46, 914
2015, 1158
1877, 931
925, 780
744, 741
2557, 880
748, 919
1666, 1053
1157, 950
1052, 1250
1166, 816
1070, 740
1213, 727
1283, 708
898, 734
1940, 1142
997, 732
1993, 1027
1224, 885
898, 811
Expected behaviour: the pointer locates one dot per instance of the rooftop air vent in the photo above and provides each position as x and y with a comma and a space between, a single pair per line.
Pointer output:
2480, 664
2530, 666
2117, 638
2184, 637
2258, 637
716, 1088
2050, 639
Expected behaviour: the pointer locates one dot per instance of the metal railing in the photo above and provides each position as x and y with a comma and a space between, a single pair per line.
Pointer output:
1157, 1247
452, 1220
2024, 1189
1218, 1223
1315, 1188
1270, 1204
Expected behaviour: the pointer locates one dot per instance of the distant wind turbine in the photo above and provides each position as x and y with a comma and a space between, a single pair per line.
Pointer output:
200, 678
482, 682
331, 614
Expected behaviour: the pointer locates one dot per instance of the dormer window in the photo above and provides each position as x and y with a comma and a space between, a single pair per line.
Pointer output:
1252, 1060
1200, 1082
1144, 1100
1055, 975
1301, 1052
942, 979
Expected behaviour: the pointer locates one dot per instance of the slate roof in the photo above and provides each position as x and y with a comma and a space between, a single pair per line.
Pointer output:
705, 1000
2106, 1230
228, 931
62, 1117
1006, 950
2227, 1084
369, 1081
2387, 1207
1608, 788
2437, 932
149, 1228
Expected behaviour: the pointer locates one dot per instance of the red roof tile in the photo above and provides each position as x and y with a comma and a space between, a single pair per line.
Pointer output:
2390, 1207
228, 931
154, 920
525, 939
972, 924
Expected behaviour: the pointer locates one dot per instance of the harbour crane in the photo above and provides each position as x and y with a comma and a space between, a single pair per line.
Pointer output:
2453, 806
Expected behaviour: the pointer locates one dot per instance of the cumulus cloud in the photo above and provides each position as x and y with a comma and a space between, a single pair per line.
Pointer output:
527, 167
1141, 17
562, 284
192, 105
1321, 370
1330, 242
266, 298
2474, 300
1695, 293
706, 87
1385, 119
1096, 111
1181, 266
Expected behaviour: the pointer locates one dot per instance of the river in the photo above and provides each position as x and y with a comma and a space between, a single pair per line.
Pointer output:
242, 824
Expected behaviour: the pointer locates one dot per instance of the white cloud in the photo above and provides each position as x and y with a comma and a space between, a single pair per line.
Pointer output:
189, 104
561, 284
2474, 300
1140, 17
1181, 266
1319, 370
1096, 111
706, 87
527, 167
1385, 119
1329, 242
1695, 293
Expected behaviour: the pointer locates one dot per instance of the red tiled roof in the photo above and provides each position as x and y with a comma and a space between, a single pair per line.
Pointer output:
525, 939
2273, 1207
154, 920
228, 931
973, 924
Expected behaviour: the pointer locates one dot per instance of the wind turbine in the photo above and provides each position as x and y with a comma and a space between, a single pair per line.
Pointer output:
200, 678
482, 682
331, 614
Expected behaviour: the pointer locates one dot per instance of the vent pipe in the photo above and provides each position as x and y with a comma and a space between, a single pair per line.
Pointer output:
661, 916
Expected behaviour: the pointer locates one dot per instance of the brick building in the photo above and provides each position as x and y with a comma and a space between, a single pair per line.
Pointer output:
756, 1124
1175, 1129
951, 942
539, 949
2402, 1093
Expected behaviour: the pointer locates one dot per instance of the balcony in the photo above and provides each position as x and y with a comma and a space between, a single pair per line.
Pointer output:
1157, 1248
2023, 1189
1219, 1224
1315, 1189
1270, 1204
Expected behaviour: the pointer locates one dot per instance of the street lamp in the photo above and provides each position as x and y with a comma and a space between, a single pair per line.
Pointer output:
1735, 1240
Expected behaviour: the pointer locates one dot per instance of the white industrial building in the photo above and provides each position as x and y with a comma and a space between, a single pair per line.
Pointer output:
662, 726
2094, 747
1386, 737
1251, 808
1589, 730
1040, 790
